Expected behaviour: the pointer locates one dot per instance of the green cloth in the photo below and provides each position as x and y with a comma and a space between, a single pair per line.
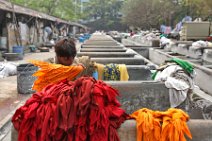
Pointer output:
184, 64
163, 35
154, 75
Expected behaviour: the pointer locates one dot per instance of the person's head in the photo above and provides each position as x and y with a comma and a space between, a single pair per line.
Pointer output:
65, 51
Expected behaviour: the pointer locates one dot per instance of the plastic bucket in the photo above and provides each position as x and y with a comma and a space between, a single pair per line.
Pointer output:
81, 39
3, 43
25, 80
19, 50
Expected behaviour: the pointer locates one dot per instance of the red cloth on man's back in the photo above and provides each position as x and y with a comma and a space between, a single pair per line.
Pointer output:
82, 110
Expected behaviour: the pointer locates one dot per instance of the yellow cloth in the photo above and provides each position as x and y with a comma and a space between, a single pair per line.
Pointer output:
100, 70
123, 72
122, 68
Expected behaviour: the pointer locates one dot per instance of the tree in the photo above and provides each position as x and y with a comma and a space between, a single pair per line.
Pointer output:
152, 13
105, 15
143, 13
103, 8
60, 8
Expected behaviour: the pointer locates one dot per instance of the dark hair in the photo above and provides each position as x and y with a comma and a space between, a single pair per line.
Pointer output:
65, 48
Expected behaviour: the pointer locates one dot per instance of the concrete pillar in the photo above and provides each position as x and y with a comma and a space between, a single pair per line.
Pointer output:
40, 31
75, 30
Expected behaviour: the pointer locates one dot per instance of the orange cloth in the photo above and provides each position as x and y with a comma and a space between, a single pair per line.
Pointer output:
53, 73
173, 126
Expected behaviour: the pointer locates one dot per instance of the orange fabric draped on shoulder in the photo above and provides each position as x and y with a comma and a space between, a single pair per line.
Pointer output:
53, 73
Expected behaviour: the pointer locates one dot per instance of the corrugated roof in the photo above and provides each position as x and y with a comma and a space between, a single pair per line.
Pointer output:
7, 6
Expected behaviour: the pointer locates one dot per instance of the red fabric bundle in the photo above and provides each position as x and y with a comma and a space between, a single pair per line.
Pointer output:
82, 110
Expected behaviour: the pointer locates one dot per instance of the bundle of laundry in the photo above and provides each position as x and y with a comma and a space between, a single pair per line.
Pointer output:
113, 72
166, 43
200, 44
161, 126
80, 110
7, 69
150, 37
178, 76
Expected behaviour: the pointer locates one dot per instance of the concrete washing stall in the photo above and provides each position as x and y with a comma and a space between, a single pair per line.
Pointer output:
127, 61
142, 50
102, 50
136, 72
102, 46
109, 43
106, 54
153, 95
203, 78
140, 94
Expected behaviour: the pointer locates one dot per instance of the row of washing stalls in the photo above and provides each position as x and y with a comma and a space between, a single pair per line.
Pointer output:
139, 91
22, 33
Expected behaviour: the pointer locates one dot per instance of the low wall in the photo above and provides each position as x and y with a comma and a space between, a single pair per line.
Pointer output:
127, 61
105, 54
139, 94
102, 50
138, 72
200, 130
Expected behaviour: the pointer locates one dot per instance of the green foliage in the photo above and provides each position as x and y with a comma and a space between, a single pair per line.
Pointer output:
103, 8
106, 14
152, 13
60, 8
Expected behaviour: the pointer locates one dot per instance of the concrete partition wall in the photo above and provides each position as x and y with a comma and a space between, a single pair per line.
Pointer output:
201, 130
106, 54
102, 50
138, 72
137, 94
127, 61
158, 57
102, 43
143, 51
103, 46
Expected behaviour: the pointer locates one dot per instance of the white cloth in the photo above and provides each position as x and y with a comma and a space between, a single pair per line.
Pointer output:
199, 44
164, 41
178, 88
7, 69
